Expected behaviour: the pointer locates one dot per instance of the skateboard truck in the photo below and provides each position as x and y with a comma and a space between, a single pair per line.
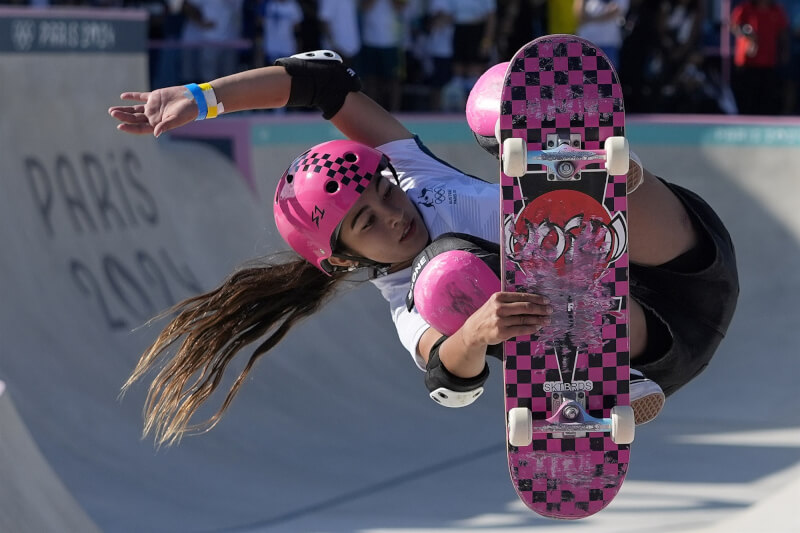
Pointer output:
564, 158
570, 420
570, 408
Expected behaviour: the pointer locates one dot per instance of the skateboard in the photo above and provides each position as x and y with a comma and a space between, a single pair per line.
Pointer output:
564, 235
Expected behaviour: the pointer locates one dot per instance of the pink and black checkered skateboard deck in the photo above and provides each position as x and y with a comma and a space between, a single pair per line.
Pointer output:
565, 237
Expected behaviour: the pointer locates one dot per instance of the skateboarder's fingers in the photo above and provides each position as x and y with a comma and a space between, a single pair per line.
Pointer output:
524, 325
509, 297
129, 114
140, 96
526, 320
524, 308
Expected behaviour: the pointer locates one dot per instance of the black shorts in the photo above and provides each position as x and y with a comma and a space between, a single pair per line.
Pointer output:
688, 310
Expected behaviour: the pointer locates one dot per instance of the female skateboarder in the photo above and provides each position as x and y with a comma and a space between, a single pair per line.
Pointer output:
368, 202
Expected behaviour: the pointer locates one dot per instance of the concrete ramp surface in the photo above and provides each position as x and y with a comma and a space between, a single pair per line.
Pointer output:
33, 496
333, 432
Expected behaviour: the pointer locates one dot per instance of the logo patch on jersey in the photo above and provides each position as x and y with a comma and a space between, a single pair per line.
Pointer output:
433, 196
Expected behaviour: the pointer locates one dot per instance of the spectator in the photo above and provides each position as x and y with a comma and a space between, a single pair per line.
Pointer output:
680, 24
792, 70
161, 28
761, 48
561, 17
280, 23
191, 39
695, 89
416, 60
338, 20
166, 63
440, 49
676, 62
252, 31
380, 62
519, 22
210, 26
601, 22
309, 34
473, 38
638, 63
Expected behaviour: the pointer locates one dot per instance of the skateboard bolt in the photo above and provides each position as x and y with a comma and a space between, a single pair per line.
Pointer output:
566, 169
570, 412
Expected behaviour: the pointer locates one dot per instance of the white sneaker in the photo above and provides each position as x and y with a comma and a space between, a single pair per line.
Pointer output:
635, 172
647, 398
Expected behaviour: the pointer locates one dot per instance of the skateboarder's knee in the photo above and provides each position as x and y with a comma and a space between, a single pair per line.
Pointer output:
661, 227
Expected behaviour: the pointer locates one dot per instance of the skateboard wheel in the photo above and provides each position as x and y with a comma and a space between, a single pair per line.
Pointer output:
515, 157
520, 427
617, 156
623, 425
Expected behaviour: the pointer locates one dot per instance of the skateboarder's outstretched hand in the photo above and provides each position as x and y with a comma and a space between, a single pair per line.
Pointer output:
506, 315
162, 110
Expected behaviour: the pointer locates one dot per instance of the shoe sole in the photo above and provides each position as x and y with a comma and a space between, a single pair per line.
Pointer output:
647, 407
635, 173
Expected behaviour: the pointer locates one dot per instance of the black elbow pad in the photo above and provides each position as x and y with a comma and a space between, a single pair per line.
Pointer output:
319, 79
448, 389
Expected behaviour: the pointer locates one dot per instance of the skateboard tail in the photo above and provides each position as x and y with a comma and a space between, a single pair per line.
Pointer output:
579, 484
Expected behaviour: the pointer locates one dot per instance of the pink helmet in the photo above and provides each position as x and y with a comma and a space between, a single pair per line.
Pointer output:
316, 192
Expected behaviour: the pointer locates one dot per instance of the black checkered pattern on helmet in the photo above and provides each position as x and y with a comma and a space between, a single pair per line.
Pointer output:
348, 173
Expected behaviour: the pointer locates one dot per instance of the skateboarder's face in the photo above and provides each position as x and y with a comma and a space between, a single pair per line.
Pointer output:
384, 225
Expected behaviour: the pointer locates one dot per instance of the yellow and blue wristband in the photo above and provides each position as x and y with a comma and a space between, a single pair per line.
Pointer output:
206, 100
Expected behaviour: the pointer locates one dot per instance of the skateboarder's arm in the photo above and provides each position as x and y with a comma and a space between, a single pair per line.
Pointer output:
503, 316
165, 109
363, 120
458, 357
359, 118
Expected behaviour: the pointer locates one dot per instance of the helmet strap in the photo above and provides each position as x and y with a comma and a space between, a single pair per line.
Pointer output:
378, 269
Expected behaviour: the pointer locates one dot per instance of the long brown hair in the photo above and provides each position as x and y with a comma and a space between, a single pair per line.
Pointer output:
259, 300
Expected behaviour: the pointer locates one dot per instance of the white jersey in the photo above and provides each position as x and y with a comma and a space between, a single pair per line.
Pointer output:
449, 201
280, 19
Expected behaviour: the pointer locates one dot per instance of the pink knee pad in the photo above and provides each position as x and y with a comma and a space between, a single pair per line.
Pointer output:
451, 287
483, 103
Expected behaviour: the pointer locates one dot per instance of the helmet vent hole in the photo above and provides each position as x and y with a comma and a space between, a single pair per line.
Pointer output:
331, 187
350, 157
289, 178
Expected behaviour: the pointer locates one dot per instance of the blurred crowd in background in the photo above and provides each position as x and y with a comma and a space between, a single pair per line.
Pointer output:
673, 56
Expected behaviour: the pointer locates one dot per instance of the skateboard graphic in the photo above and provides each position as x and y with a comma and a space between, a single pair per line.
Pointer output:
564, 236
